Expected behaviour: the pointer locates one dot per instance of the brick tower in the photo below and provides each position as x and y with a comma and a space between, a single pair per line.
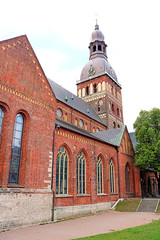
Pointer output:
98, 84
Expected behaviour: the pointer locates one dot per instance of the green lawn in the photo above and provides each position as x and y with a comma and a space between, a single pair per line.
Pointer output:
128, 205
149, 231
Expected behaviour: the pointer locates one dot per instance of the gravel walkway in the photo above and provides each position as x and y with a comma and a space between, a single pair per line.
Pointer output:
81, 227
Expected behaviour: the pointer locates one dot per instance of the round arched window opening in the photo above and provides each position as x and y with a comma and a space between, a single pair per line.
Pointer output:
81, 123
59, 112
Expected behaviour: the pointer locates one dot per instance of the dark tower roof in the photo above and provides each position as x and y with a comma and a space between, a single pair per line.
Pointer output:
98, 59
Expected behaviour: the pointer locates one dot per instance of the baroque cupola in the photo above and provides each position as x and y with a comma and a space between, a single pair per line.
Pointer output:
98, 83
98, 61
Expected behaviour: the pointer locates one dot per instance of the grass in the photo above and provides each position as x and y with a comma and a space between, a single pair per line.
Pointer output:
128, 205
144, 232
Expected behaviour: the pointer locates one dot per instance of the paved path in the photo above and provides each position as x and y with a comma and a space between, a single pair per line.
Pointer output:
81, 227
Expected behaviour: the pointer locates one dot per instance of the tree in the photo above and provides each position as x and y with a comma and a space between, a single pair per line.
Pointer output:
147, 133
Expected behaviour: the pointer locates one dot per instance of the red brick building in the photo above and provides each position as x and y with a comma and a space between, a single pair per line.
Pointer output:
57, 158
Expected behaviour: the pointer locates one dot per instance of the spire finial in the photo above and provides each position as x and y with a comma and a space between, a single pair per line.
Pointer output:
96, 26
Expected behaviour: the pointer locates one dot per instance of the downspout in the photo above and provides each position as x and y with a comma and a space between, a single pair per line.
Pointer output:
56, 127
118, 172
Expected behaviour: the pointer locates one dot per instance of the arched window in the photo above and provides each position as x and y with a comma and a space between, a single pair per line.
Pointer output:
114, 125
95, 88
79, 93
1, 119
94, 129
75, 121
66, 117
99, 175
99, 48
86, 127
81, 173
99, 107
112, 107
103, 85
62, 171
127, 178
87, 90
94, 48
111, 177
16, 149
118, 112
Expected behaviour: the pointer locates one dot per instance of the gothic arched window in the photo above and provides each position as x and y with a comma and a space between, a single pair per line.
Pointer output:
111, 177
62, 171
99, 175
81, 173
1, 119
127, 178
16, 149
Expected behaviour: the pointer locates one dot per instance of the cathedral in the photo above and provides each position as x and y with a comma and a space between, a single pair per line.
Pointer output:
61, 155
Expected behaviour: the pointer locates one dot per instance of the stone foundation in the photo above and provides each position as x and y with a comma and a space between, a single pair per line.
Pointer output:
74, 211
24, 207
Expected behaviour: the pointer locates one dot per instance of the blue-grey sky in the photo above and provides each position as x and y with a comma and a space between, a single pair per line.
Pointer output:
59, 32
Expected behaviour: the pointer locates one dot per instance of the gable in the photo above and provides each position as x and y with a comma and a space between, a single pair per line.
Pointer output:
22, 74
126, 144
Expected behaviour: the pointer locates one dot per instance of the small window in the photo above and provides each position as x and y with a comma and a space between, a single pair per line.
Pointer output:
95, 87
118, 126
59, 112
99, 48
81, 123
97, 130
118, 112
112, 107
114, 125
87, 90
94, 129
94, 48
99, 107
86, 127
1, 119
112, 89
75, 122
66, 117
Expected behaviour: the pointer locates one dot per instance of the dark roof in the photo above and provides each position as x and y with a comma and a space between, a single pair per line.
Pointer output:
71, 127
113, 136
133, 139
73, 101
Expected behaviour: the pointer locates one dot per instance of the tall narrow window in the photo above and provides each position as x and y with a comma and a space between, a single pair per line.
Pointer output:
94, 48
127, 178
99, 175
62, 171
99, 48
1, 119
95, 87
87, 90
81, 174
16, 149
111, 177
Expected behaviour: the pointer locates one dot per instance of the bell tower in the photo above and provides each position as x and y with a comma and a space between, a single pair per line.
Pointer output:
98, 84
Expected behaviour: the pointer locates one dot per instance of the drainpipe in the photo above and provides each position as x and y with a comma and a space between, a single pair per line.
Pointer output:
118, 172
56, 127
